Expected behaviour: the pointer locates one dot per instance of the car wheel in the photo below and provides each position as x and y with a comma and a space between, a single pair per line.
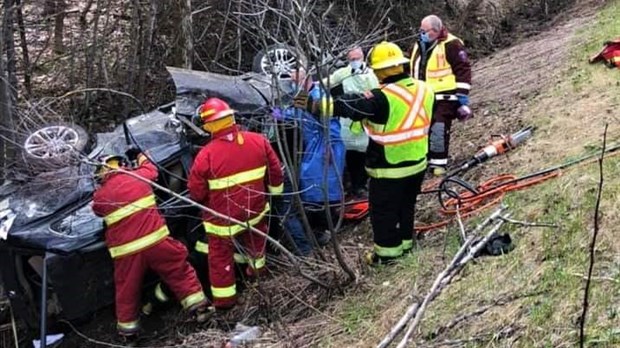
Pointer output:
54, 146
278, 60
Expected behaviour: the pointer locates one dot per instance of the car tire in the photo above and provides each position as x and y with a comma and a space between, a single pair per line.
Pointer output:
281, 58
54, 146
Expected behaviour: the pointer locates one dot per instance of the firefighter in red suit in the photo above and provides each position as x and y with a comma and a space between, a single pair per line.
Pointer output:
440, 59
233, 174
138, 240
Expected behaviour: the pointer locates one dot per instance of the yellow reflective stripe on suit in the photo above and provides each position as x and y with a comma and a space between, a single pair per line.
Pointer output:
225, 292
140, 243
203, 247
237, 179
193, 300
229, 231
276, 189
129, 209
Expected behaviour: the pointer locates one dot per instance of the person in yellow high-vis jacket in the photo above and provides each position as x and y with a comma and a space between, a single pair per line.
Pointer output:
356, 77
440, 59
396, 117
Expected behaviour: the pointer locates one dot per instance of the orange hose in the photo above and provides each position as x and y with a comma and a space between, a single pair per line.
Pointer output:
492, 192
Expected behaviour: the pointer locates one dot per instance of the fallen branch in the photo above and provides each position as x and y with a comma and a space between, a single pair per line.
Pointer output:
586, 295
447, 275
413, 309
464, 317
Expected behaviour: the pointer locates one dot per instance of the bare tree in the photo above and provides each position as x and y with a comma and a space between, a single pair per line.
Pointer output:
186, 40
6, 104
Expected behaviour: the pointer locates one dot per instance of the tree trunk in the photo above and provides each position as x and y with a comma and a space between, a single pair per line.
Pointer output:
24, 46
59, 26
186, 37
9, 48
6, 103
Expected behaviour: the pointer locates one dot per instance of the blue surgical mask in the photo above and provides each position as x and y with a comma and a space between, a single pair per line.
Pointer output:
291, 87
356, 64
425, 38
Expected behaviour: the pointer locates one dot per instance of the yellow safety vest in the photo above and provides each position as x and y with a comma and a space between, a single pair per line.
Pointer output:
439, 74
405, 135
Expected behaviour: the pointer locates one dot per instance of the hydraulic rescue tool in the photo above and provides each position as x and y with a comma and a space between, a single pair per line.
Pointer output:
497, 147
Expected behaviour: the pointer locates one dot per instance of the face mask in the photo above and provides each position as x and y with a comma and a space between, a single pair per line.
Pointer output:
356, 64
425, 38
291, 87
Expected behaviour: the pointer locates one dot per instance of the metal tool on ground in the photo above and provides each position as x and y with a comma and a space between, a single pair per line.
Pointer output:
497, 147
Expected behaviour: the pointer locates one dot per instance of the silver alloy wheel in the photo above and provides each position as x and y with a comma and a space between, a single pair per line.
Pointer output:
279, 61
51, 142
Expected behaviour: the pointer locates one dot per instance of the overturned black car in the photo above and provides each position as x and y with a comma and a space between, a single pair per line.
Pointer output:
47, 227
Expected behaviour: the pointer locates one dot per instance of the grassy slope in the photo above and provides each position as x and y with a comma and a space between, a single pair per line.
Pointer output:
545, 260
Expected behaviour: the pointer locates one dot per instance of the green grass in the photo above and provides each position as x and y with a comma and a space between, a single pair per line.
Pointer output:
552, 261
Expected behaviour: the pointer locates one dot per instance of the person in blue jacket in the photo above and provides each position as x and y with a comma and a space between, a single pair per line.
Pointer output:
308, 159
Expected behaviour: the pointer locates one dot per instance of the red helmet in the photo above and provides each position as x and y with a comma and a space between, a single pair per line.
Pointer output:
213, 109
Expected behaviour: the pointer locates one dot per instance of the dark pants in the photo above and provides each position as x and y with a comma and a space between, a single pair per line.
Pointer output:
392, 209
439, 138
357, 173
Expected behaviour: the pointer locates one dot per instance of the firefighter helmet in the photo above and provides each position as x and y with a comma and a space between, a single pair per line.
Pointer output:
213, 109
386, 55
109, 163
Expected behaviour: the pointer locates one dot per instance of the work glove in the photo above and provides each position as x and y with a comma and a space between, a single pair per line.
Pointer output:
132, 152
301, 100
277, 114
464, 113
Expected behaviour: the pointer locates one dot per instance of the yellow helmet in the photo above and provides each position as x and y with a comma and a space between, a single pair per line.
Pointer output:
109, 164
386, 55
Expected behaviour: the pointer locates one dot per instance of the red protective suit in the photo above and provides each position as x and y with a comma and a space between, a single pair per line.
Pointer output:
231, 175
137, 237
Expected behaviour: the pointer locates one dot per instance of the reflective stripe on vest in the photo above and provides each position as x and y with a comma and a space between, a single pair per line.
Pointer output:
203, 247
396, 173
229, 231
407, 129
439, 74
140, 243
388, 251
404, 136
238, 179
129, 209
193, 300
225, 292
